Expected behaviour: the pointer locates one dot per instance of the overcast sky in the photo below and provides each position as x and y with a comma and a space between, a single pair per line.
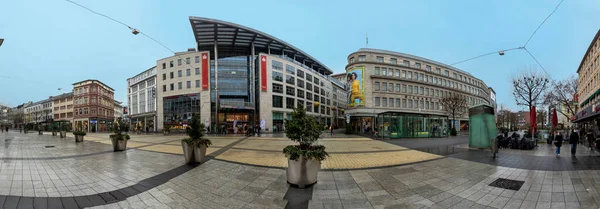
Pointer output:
51, 44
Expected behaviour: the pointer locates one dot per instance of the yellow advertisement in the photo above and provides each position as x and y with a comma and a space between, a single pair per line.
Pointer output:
355, 86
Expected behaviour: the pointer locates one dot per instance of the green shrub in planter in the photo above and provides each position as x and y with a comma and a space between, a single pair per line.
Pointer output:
453, 131
79, 133
119, 139
304, 159
348, 129
194, 147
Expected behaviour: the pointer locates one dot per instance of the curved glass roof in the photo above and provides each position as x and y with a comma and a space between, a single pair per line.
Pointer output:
234, 39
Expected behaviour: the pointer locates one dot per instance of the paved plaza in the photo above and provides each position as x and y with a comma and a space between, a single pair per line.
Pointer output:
42, 171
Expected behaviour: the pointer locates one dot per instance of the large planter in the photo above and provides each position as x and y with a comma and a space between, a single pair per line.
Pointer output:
119, 144
165, 132
40, 133
78, 138
302, 173
63, 134
193, 154
53, 133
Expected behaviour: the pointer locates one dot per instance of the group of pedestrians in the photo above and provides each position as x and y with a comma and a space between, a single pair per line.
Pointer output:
573, 139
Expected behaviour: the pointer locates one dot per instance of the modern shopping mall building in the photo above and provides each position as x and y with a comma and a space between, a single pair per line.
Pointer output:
400, 93
241, 76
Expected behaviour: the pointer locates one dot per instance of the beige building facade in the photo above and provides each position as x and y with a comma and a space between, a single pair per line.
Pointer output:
588, 91
409, 86
63, 107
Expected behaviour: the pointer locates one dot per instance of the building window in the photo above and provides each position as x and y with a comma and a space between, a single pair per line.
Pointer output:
164, 65
188, 84
404, 74
418, 65
187, 60
426, 91
316, 81
377, 71
421, 106
197, 59
384, 102
428, 68
379, 59
454, 74
299, 83
362, 58
290, 90
406, 63
377, 101
403, 103
391, 87
276, 65
171, 63
164, 76
447, 73
393, 61
179, 74
277, 76
188, 72
410, 89
300, 93
377, 86
164, 89
171, 75
397, 73
277, 88
277, 101
308, 78
397, 102
289, 79
309, 96
438, 70
421, 77
403, 88
179, 62
397, 87
289, 103
197, 83
300, 73
179, 85
383, 71
427, 105
351, 60
197, 71
384, 87
172, 87
410, 103
421, 90
290, 69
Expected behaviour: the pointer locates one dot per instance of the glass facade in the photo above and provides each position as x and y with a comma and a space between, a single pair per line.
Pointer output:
178, 110
407, 125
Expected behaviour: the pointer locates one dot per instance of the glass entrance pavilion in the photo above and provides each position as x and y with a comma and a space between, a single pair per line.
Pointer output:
394, 125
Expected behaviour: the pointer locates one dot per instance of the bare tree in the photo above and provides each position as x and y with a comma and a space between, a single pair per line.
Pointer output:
528, 88
560, 96
454, 105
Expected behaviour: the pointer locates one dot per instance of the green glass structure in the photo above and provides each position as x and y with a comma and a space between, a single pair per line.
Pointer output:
482, 126
394, 125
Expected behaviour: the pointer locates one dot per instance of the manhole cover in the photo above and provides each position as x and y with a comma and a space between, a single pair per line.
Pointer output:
507, 184
49, 146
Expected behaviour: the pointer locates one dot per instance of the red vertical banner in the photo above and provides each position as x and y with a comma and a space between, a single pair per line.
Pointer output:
205, 73
263, 72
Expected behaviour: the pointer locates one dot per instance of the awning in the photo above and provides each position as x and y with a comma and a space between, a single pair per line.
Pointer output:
586, 113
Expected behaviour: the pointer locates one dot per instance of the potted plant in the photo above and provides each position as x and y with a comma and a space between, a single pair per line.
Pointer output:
53, 129
79, 135
119, 139
166, 130
63, 130
194, 147
304, 159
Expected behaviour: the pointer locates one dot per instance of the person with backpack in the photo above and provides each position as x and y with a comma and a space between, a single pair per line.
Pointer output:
573, 140
558, 143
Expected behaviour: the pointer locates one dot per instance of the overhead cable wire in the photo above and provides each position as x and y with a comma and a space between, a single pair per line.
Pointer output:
486, 54
131, 28
561, 1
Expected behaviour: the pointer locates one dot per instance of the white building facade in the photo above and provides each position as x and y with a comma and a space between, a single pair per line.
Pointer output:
142, 100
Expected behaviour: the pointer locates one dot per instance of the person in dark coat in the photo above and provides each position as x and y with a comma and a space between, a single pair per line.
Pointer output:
590, 139
558, 139
573, 140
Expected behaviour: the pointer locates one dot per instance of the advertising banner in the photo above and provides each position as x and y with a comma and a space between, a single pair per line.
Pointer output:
263, 72
205, 72
355, 86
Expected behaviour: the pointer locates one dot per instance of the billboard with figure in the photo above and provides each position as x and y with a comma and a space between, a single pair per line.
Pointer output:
355, 86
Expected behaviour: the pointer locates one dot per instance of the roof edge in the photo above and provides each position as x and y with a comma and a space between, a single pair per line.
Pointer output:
589, 49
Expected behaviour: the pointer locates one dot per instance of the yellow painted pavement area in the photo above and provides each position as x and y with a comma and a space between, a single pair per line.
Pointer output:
345, 153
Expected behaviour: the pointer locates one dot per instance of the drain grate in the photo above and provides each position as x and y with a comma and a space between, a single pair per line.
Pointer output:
49, 146
507, 184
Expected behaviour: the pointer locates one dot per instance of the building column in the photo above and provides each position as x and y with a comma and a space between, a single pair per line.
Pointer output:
216, 85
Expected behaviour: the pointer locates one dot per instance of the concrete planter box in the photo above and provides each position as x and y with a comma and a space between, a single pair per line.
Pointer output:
78, 138
302, 173
63, 134
119, 143
193, 154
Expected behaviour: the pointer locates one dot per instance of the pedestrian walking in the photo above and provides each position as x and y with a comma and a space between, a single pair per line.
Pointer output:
590, 139
573, 140
558, 139
331, 129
